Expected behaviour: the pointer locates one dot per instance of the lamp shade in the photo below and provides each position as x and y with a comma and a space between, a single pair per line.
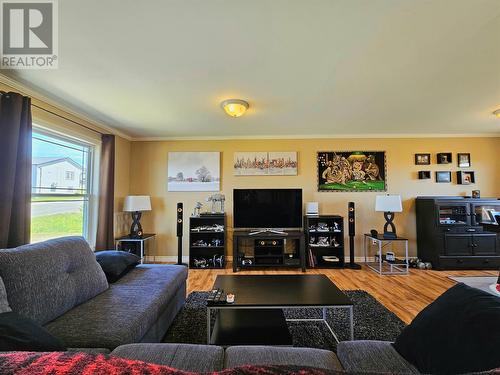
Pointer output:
388, 203
137, 203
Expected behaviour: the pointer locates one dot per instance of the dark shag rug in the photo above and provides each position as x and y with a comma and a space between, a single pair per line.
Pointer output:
372, 321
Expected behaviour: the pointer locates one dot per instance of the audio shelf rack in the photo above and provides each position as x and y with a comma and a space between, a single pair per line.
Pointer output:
268, 250
207, 241
324, 241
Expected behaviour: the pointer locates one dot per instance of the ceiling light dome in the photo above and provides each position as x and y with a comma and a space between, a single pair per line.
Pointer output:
497, 113
234, 107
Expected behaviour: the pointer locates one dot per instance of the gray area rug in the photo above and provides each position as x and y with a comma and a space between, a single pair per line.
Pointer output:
485, 283
372, 321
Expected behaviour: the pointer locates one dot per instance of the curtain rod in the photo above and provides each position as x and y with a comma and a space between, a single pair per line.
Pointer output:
67, 119
57, 114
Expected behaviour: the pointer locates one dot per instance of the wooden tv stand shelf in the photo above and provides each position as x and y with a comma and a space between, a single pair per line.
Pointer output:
267, 249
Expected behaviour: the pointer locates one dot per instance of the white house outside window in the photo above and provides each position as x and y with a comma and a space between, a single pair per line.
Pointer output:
61, 175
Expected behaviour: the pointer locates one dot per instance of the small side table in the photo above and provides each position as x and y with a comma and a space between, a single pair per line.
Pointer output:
127, 243
381, 265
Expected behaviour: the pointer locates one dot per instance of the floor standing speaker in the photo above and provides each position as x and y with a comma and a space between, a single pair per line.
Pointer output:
180, 224
351, 218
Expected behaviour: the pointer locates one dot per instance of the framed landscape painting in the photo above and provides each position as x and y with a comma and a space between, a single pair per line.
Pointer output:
193, 171
341, 171
265, 163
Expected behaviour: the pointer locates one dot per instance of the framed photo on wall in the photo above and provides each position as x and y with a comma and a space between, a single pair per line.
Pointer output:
443, 176
422, 159
193, 171
341, 171
463, 160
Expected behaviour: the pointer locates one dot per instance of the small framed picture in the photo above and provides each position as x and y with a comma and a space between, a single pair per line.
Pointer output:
464, 160
422, 159
443, 176
444, 157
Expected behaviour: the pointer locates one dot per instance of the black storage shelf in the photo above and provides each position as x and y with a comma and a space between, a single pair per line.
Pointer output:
201, 257
314, 253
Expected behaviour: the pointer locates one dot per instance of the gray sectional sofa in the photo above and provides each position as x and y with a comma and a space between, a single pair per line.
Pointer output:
59, 284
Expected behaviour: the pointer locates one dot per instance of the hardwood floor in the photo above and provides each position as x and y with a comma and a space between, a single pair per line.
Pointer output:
404, 295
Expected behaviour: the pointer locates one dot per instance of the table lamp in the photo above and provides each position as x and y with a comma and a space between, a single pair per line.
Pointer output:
388, 204
136, 204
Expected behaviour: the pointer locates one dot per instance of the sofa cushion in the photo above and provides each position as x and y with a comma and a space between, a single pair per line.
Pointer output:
18, 333
187, 357
116, 264
268, 355
459, 332
373, 356
46, 279
123, 313
4, 303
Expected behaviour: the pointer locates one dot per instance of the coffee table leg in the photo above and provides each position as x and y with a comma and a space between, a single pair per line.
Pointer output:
208, 325
351, 321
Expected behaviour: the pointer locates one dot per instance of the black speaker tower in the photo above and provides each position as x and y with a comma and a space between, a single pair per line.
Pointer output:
180, 223
351, 218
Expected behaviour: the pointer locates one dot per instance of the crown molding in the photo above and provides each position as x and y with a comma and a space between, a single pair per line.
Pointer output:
96, 125
315, 136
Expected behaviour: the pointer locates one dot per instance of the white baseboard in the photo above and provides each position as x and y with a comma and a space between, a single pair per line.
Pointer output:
185, 259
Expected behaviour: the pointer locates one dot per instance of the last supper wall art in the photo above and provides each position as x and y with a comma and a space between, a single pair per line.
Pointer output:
340, 171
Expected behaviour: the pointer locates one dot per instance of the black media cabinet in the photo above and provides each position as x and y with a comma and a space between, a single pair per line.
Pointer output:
266, 249
455, 232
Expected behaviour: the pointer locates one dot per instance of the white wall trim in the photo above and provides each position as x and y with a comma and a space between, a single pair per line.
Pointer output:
185, 259
25, 90
315, 136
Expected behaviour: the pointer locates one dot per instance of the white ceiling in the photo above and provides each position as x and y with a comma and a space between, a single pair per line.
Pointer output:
160, 68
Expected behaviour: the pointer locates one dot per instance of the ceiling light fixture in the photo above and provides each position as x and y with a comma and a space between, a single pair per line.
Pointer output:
234, 107
497, 113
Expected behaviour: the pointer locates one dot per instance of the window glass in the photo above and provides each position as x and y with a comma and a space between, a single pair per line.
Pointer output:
61, 169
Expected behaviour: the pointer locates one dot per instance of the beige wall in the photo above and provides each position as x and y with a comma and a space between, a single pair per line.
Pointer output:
148, 175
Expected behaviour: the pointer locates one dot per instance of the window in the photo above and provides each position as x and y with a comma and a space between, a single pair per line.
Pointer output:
61, 177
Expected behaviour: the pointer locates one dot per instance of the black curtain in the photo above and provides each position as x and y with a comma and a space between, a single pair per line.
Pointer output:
15, 169
105, 236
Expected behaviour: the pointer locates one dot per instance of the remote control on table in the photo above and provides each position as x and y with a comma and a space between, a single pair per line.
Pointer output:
216, 296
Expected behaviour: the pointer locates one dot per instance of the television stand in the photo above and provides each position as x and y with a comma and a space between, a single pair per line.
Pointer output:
268, 249
266, 230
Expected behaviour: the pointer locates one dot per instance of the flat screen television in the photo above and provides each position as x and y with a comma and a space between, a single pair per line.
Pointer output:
267, 208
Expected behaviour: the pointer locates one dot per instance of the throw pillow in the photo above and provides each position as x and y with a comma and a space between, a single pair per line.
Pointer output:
459, 332
18, 333
116, 264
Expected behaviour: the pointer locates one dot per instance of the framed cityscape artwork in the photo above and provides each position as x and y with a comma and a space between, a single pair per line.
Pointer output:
340, 171
265, 163
193, 171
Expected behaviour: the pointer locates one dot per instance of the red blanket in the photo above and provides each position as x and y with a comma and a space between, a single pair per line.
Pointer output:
29, 363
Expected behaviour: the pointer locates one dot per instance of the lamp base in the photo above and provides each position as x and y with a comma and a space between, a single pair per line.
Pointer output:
389, 228
136, 228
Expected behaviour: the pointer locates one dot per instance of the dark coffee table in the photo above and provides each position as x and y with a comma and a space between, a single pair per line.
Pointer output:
256, 316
